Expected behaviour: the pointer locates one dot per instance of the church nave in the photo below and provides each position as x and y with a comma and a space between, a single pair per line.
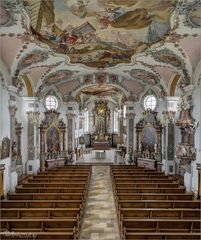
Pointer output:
100, 219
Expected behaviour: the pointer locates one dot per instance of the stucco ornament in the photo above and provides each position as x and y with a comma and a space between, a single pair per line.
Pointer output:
184, 103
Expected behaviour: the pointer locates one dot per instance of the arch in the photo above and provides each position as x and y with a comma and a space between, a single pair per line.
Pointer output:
174, 84
28, 85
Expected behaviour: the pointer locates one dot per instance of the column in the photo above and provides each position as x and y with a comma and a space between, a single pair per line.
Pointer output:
167, 121
72, 128
2, 168
32, 134
12, 111
130, 132
199, 180
121, 118
13, 154
70, 131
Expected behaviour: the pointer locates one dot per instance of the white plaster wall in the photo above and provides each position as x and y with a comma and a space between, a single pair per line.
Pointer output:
5, 132
197, 116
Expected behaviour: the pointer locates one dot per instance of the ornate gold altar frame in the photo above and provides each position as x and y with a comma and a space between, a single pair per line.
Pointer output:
149, 119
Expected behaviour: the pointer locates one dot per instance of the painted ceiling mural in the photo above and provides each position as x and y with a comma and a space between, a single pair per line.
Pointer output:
101, 33
111, 49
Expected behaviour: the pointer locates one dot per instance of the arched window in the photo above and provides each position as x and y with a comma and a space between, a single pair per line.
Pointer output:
51, 102
150, 102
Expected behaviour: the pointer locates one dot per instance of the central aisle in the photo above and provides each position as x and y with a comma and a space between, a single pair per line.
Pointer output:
100, 220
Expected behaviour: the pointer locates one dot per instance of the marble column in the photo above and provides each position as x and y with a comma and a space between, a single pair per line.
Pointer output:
199, 180
121, 119
70, 131
13, 175
168, 150
130, 132
32, 136
12, 111
33, 125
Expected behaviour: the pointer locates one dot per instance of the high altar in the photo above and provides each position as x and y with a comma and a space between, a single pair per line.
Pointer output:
101, 121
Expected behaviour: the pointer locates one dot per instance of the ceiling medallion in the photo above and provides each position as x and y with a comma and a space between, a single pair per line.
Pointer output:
169, 57
58, 76
33, 57
144, 76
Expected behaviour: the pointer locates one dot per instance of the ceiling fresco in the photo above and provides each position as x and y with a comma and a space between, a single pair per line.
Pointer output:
89, 49
58, 76
102, 33
144, 76
33, 58
193, 15
102, 90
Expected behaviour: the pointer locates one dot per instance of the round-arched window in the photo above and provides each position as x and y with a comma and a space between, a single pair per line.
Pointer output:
150, 102
51, 102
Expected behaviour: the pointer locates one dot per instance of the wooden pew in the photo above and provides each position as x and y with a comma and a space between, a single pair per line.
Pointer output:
59, 180
32, 213
49, 190
49, 204
149, 190
46, 196
159, 204
142, 176
146, 185
155, 196
71, 234
161, 225
182, 213
37, 225
55, 184
41, 203
150, 203
143, 180
161, 236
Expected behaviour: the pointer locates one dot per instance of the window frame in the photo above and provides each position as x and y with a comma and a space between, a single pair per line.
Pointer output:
145, 101
56, 102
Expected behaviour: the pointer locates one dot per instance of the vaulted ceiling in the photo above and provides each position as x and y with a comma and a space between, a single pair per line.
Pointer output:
110, 49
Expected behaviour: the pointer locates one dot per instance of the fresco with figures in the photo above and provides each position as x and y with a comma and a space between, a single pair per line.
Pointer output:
102, 33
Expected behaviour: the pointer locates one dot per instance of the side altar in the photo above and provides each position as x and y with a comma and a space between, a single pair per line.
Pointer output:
148, 140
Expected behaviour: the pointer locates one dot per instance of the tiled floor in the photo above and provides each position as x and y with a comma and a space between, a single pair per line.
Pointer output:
100, 219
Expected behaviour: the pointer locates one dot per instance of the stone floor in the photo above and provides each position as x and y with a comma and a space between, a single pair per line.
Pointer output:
90, 157
100, 219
